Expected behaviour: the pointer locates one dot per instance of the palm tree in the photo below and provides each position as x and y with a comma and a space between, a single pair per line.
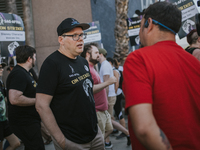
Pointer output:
11, 7
121, 32
28, 23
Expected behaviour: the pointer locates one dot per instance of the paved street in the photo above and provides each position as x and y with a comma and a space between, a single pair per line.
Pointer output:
117, 144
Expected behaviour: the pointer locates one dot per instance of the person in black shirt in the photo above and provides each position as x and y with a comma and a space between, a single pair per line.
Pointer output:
21, 87
5, 132
64, 96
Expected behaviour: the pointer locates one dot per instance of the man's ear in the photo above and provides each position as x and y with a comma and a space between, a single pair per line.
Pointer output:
150, 25
29, 58
87, 55
198, 39
60, 39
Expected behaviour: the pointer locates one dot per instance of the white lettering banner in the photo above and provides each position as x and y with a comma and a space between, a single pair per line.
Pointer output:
12, 35
133, 32
189, 12
93, 38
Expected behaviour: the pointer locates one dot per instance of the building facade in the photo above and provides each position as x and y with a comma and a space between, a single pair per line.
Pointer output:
47, 15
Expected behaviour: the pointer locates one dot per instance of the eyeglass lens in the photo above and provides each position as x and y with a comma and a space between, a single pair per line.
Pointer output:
76, 36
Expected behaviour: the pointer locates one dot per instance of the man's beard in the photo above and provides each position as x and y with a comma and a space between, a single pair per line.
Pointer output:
33, 64
94, 61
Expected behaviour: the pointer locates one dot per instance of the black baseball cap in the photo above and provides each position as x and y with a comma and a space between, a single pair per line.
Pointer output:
3, 62
69, 24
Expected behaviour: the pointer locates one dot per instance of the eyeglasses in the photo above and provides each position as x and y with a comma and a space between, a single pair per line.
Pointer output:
76, 37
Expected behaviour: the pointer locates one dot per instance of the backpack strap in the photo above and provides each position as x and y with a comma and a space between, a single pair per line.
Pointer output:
190, 50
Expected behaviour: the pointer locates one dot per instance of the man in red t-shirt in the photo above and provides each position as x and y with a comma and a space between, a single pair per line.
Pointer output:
161, 86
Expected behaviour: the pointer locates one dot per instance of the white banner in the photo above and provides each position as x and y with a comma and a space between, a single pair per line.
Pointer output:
92, 38
189, 12
133, 32
12, 35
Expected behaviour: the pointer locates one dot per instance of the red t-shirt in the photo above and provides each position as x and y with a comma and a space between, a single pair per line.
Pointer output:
169, 78
100, 98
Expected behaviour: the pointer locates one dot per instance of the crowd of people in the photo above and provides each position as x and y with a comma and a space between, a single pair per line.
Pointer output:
74, 104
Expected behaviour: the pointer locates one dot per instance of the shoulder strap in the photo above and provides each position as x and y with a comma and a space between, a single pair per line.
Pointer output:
190, 50
121, 79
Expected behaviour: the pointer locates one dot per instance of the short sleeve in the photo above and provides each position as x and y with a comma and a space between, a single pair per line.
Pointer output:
48, 78
106, 70
17, 82
136, 83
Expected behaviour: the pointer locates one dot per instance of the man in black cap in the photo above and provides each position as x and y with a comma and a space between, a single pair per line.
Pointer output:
64, 96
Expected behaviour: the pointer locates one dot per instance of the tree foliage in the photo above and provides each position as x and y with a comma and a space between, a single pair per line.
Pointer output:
121, 32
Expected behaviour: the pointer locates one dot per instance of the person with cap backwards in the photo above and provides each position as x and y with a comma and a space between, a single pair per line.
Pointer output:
5, 131
64, 96
194, 40
23, 118
161, 85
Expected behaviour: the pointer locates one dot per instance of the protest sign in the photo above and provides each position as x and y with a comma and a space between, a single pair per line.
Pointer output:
12, 33
93, 33
189, 11
133, 30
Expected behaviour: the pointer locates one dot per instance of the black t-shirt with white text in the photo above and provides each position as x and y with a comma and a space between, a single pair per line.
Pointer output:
21, 80
70, 83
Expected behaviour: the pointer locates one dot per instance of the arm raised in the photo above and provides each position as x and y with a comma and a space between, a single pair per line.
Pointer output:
98, 87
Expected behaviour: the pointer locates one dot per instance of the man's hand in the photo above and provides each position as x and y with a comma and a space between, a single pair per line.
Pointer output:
63, 144
111, 80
